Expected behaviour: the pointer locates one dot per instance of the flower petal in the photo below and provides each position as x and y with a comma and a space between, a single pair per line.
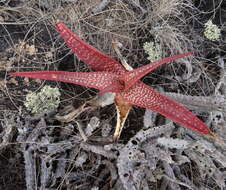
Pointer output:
131, 77
97, 80
146, 97
123, 109
87, 53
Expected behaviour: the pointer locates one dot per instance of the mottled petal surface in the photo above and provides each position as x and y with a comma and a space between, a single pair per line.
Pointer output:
146, 97
133, 76
87, 53
97, 80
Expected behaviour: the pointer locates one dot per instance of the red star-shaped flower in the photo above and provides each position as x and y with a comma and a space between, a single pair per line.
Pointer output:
111, 76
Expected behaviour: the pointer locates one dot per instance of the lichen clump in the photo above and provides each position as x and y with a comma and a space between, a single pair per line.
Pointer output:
153, 49
47, 99
211, 32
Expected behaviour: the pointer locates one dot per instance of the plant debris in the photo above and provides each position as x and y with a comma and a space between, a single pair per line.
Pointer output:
71, 146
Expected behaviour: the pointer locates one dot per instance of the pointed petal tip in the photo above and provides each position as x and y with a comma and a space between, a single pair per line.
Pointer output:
59, 22
14, 74
21, 74
211, 134
191, 52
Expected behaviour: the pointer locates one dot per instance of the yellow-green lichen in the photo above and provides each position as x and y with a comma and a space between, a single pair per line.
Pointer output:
211, 32
153, 49
47, 99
